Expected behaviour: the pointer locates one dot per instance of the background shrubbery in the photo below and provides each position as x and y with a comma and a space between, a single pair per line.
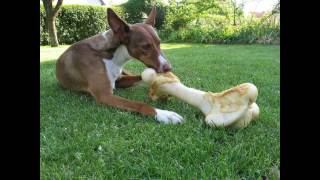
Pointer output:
136, 10
216, 22
203, 21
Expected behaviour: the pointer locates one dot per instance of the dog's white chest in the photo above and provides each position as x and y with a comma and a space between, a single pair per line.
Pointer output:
113, 71
114, 65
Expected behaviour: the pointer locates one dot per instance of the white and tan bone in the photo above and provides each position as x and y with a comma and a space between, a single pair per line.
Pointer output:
234, 107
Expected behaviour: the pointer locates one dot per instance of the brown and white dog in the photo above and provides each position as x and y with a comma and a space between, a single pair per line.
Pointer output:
95, 64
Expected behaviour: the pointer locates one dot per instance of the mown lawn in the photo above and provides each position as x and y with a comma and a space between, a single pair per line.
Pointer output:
83, 140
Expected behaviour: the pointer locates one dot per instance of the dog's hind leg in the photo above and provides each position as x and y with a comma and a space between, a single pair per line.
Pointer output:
126, 72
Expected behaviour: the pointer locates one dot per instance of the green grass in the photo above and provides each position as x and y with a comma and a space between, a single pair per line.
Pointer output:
80, 139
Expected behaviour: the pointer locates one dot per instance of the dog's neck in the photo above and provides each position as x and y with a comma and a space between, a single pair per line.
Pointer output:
114, 65
119, 51
121, 55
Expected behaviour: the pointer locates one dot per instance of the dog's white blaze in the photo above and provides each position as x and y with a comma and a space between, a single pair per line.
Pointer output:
104, 35
113, 71
162, 60
114, 65
155, 32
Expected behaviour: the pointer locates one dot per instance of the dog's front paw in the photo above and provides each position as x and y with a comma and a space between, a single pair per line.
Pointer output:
168, 117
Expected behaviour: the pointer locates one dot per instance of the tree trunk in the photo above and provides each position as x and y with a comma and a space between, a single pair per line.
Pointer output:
51, 14
234, 15
53, 32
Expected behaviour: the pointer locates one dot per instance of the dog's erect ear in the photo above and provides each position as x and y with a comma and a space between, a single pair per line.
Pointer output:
151, 20
118, 26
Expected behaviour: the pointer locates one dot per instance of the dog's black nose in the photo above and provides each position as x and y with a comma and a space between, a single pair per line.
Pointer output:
166, 68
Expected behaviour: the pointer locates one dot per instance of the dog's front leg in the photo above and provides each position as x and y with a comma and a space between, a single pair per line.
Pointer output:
126, 81
103, 94
160, 115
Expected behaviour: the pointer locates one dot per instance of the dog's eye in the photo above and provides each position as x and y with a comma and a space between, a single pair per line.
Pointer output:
146, 47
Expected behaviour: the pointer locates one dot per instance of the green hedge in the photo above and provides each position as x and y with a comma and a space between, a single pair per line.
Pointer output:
44, 37
136, 8
76, 22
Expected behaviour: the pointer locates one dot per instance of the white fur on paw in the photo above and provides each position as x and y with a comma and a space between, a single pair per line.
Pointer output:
168, 117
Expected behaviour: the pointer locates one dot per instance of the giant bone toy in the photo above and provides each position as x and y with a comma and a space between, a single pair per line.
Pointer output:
234, 107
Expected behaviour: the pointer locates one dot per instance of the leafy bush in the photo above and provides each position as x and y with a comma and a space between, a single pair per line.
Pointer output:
77, 22
161, 12
217, 29
136, 10
44, 36
263, 31
178, 16
214, 23
255, 32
